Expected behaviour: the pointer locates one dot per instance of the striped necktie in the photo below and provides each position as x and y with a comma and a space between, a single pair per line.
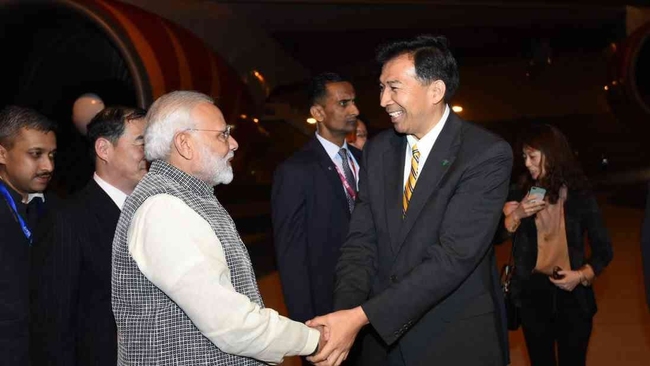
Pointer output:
349, 177
413, 177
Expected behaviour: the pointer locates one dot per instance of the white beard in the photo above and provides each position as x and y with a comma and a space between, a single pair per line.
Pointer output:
216, 170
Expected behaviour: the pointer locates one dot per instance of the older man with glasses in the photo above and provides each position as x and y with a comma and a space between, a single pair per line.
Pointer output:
184, 290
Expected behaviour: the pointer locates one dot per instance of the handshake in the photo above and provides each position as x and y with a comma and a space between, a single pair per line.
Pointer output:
338, 331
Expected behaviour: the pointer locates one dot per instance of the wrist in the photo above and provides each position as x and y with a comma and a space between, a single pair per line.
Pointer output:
361, 316
513, 224
587, 275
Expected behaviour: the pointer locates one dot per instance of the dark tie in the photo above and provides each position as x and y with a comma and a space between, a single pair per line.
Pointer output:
343, 153
34, 208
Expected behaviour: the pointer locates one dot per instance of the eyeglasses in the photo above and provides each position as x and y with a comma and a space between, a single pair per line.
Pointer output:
223, 135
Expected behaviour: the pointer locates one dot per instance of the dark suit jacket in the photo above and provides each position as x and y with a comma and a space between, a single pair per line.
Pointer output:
14, 275
72, 321
426, 282
582, 216
310, 220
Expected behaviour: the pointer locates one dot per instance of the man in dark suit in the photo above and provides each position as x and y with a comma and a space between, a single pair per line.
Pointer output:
312, 197
27, 147
72, 322
417, 264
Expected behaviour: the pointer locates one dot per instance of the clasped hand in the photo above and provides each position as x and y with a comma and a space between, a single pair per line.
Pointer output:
338, 332
569, 281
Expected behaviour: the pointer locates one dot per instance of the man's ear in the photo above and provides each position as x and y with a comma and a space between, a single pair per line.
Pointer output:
183, 145
437, 91
103, 149
317, 112
3, 155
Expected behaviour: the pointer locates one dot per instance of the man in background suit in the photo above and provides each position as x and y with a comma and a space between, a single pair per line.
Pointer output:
312, 197
27, 148
72, 321
417, 264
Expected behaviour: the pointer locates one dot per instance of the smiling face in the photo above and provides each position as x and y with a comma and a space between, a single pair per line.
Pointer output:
413, 107
534, 161
27, 164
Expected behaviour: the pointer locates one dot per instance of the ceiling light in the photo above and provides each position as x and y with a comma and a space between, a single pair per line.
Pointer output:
457, 108
311, 120
258, 75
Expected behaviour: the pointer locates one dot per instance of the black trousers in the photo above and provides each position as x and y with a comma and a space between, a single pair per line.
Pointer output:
561, 322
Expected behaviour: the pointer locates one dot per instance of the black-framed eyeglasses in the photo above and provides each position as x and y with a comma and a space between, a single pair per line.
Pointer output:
223, 136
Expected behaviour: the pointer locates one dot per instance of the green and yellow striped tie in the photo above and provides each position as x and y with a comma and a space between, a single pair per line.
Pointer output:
413, 177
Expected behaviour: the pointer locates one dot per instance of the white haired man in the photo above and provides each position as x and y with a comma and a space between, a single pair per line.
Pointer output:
184, 291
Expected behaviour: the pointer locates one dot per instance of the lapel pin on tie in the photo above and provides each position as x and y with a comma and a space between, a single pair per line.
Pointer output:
445, 162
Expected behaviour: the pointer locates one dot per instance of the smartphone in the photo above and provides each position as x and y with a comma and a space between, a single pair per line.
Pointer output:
536, 193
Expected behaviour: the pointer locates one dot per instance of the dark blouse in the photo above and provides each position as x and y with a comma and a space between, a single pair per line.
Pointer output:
582, 216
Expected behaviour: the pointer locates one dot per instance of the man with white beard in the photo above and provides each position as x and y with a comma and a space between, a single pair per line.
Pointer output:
184, 290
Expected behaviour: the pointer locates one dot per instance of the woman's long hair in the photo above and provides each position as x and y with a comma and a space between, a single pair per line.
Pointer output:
560, 164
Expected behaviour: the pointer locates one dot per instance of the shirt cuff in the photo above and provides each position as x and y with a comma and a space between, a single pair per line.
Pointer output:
312, 342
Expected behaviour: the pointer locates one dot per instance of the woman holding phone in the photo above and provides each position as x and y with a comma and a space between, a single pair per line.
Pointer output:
552, 211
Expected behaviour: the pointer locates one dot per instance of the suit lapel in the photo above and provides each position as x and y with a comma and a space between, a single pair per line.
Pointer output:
106, 212
393, 185
327, 165
439, 161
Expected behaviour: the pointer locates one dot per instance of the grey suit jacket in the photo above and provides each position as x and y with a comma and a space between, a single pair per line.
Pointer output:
426, 281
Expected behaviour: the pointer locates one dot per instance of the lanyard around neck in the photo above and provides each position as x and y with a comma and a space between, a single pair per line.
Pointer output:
348, 188
12, 204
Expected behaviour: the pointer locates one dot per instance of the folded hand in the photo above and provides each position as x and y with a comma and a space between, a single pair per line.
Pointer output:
340, 330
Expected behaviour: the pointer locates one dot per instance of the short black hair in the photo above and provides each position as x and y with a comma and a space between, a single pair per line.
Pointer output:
13, 118
110, 123
432, 59
317, 87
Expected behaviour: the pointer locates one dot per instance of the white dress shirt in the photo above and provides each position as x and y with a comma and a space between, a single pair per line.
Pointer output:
31, 196
425, 144
115, 194
332, 150
177, 250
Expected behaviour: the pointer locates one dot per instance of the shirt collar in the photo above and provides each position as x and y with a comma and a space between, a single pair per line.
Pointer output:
31, 196
192, 183
115, 194
331, 148
427, 141
18, 198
